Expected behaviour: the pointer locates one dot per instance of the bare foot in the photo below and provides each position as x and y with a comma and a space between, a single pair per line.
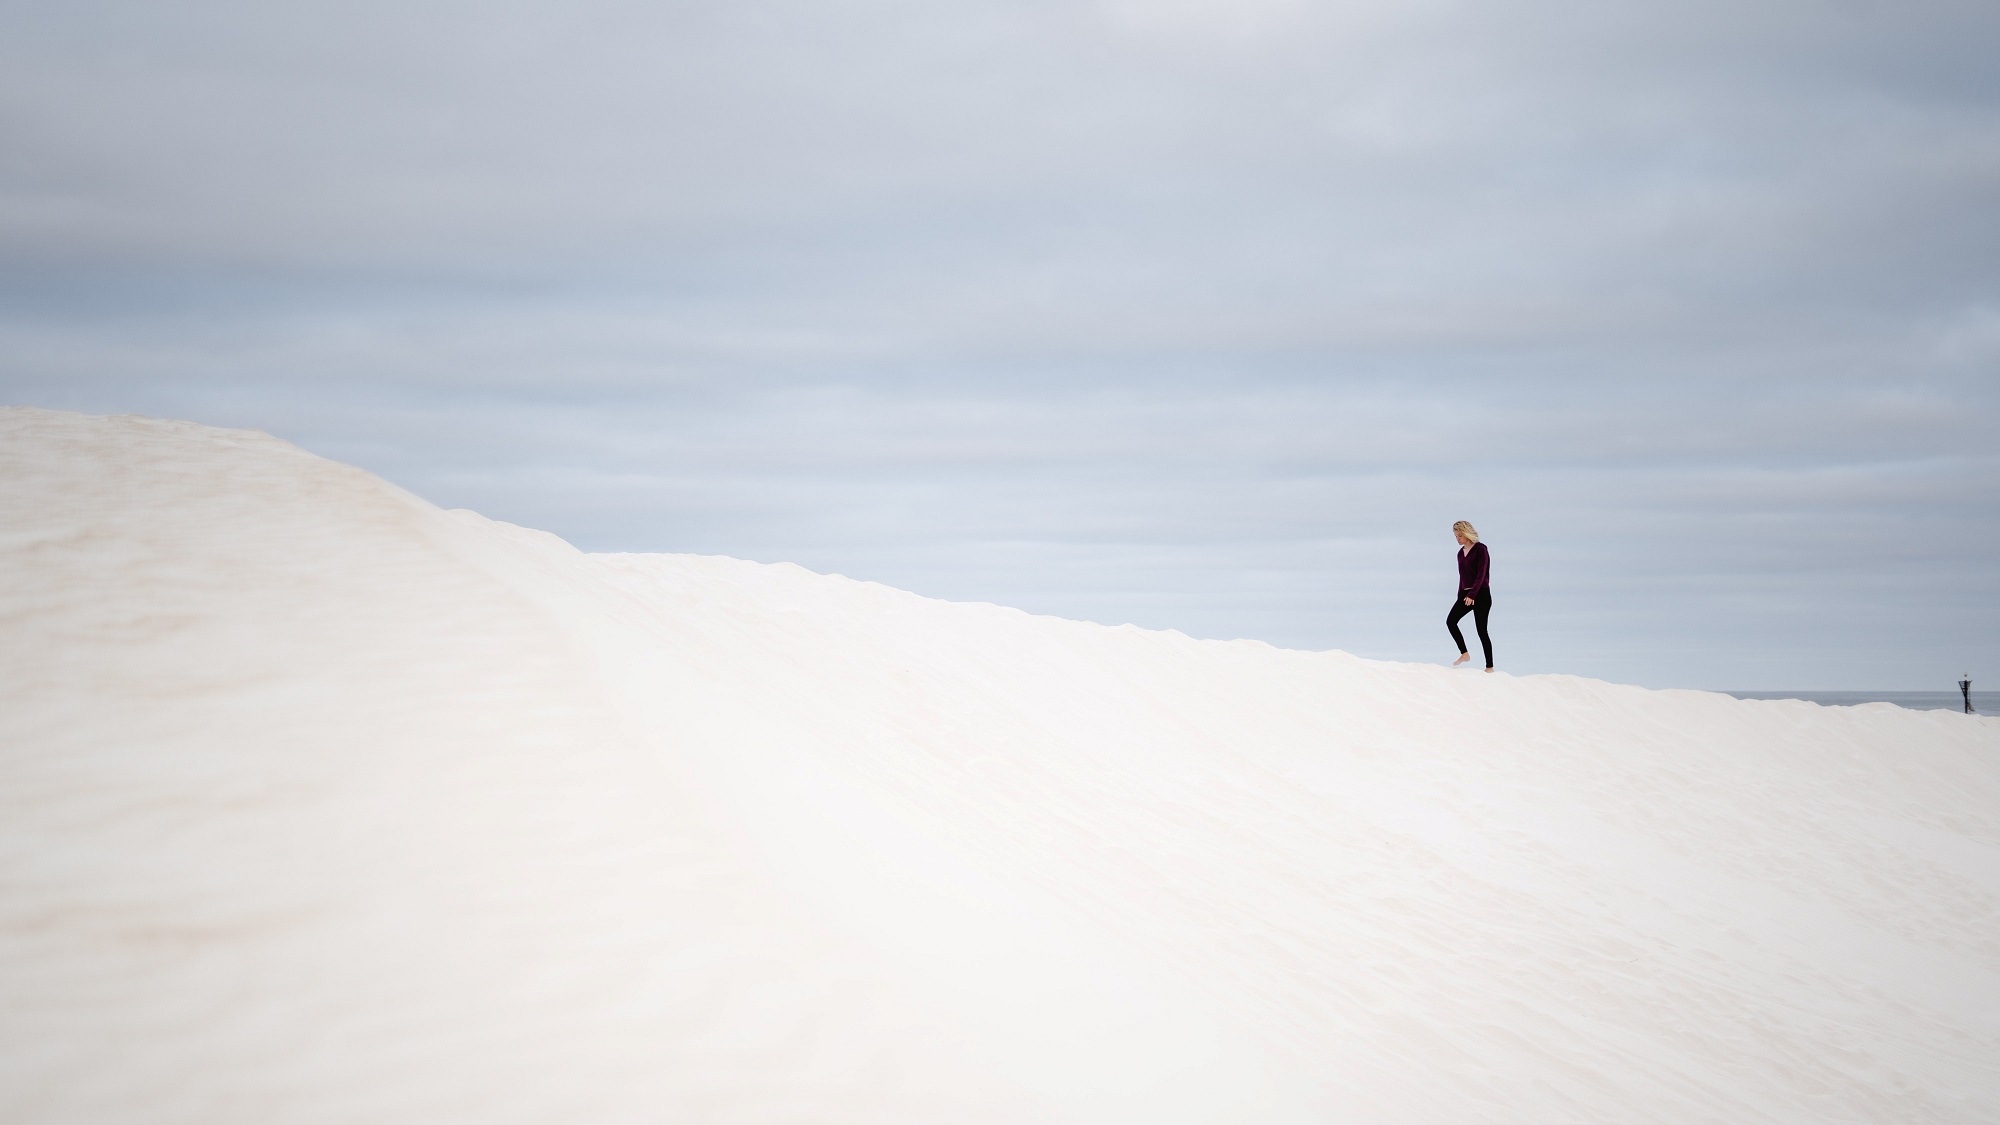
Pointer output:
1489, 669
1462, 658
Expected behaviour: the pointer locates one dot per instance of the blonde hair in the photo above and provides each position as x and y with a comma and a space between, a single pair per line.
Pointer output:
1466, 529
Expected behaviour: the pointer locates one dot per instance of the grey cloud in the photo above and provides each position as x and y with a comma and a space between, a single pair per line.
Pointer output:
1205, 315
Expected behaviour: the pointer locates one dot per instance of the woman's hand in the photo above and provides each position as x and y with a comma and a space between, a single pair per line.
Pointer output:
1468, 601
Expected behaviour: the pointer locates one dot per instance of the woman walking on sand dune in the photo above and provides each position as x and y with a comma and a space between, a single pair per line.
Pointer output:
1475, 595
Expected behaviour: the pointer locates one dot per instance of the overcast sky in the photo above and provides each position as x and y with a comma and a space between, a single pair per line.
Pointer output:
1200, 314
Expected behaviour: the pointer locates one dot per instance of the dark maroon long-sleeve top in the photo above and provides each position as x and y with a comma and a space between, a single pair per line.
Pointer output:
1472, 569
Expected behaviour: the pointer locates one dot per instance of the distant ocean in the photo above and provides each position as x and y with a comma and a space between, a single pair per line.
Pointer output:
1984, 702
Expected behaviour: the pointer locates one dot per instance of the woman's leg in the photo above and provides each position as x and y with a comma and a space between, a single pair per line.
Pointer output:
1458, 611
1482, 605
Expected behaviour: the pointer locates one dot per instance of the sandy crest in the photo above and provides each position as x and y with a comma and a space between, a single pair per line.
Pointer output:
320, 804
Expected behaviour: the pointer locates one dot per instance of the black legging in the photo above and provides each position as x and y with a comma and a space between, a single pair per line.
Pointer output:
1482, 604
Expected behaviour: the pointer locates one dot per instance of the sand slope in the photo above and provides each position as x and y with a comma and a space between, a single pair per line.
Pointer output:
319, 804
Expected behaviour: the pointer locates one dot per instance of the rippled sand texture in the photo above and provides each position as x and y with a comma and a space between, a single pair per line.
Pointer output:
319, 804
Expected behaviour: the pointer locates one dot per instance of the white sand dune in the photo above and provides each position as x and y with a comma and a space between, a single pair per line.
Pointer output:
320, 804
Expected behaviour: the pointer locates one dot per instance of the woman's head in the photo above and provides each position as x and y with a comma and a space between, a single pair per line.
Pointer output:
1465, 531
